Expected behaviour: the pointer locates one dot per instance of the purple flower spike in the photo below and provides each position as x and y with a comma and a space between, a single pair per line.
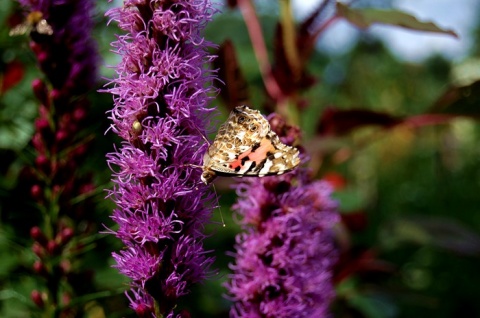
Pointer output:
161, 93
284, 259
68, 56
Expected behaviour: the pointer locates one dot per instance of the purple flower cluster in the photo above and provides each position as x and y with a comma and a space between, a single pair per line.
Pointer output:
161, 93
285, 256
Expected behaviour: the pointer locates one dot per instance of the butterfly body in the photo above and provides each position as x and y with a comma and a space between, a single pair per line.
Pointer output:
245, 145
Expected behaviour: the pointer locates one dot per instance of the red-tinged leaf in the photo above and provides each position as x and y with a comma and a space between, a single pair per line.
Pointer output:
289, 77
360, 262
459, 100
235, 90
428, 120
364, 18
306, 38
232, 4
341, 122
281, 69
355, 221
13, 74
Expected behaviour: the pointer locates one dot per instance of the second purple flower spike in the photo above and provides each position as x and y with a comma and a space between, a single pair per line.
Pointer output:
284, 258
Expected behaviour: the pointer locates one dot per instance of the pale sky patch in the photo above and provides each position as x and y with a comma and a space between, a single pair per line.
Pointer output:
459, 15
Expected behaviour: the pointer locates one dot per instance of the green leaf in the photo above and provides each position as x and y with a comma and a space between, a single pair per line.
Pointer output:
459, 100
351, 199
364, 18
374, 305
439, 232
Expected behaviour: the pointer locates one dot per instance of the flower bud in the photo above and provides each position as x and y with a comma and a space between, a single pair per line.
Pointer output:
37, 234
39, 268
35, 47
79, 113
144, 311
36, 297
37, 142
42, 57
42, 125
36, 192
42, 163
66, 299
38, 249
40, 90
66, 235
65, 266
53, 248
61, 136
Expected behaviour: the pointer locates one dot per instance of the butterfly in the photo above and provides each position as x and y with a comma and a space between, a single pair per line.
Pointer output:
245, 145
33, 23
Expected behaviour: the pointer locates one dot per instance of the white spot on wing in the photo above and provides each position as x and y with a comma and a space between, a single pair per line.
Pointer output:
266, 168
245, 167
240, 134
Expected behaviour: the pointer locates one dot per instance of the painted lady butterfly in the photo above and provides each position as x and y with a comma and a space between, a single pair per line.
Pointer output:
246, 146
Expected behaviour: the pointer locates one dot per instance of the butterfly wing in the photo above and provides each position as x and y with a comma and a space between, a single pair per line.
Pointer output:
245, 145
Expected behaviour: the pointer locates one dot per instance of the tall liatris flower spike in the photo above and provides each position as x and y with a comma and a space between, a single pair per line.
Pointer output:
66, 54
161, 93
284, 258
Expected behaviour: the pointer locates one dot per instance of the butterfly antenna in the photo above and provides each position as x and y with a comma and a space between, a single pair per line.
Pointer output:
219, 207
203, 136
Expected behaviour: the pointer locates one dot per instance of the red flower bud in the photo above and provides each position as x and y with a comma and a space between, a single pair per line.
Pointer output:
53, 248
61, 136
36, 297
37, 142
42, 163
66, 299
36, 192
35, 47
65, 266
38, 249
66, 235
40, 90
42, 125
143, 311
39, 268
79, 113
56, 94
37, 234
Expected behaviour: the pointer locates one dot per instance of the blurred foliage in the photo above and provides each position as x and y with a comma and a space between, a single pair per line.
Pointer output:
410, 235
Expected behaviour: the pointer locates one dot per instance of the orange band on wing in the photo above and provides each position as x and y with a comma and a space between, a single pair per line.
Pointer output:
258, 155
238, 161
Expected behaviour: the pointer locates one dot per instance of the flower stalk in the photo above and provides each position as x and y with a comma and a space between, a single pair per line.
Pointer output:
60, 39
